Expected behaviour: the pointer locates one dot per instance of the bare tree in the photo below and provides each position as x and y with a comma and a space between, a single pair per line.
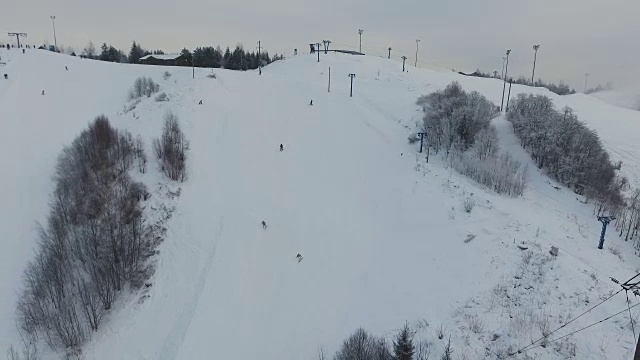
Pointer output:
171, 148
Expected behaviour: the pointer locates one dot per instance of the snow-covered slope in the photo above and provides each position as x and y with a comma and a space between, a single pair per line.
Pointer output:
627, 98
380, 230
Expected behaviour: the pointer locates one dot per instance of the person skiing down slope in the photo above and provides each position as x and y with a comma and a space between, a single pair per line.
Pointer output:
281, 148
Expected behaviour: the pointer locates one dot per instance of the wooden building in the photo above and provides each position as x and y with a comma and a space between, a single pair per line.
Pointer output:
166, 60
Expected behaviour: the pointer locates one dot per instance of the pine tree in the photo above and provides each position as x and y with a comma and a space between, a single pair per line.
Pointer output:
187, 54
135, 53
226, 59
104, 55
403, 348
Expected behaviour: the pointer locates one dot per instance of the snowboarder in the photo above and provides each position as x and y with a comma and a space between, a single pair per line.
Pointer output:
281, 147
299, 257
311, 102
264, 225
200, 103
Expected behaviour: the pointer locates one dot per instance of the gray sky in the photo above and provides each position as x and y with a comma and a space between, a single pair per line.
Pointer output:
601, 37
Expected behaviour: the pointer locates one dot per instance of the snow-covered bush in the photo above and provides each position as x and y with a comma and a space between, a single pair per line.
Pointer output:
475, 324
566, 148
166, 75
143, 86
162, 97
413, 138
453, 117
502, 174
467, 204
361, 345
171, 148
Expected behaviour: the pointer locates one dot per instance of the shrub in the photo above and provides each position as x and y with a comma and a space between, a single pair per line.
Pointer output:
567, 149
453, 117
475, 323
467, 204
413, 138
166, 75
162, 97
171, 148
143, 86
360, 346
502, 174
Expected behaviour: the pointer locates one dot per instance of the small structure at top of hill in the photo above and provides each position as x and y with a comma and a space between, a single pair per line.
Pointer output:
166, 60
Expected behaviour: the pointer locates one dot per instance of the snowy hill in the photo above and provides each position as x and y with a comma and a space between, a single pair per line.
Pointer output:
626, 98
382, 233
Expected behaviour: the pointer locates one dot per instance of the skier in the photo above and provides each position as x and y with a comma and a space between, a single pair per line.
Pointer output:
200, 103
264, 225
281, 148
311, 102
66, 68
42, 92
299, 257
6, 76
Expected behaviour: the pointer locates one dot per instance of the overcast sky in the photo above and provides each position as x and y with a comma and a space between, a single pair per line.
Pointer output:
601, 37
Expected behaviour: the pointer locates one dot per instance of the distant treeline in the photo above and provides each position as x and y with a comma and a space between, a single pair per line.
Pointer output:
208, 56
560, 88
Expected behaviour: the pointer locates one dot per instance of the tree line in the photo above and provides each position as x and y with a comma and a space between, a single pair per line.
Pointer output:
567, 149
561, 88
208, 56
361, 345
95, 242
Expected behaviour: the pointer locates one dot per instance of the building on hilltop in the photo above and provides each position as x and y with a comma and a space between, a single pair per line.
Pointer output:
166, 60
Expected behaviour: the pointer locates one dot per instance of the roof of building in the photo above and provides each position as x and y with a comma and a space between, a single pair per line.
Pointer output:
161, 57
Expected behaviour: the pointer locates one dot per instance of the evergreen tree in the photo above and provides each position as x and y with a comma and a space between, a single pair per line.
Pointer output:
104, 55
187, 54
226, 59
217, 60
403, 348
135, 53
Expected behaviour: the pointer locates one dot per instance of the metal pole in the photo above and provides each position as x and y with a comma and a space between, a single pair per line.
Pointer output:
404, 58
421, 138
389, 54
193, 65
416, 64
586, 78
504, 80
259, 59
55, 41
509, 96
637, 355
318, 51
360, 31
535, 55
329, 86
351, 91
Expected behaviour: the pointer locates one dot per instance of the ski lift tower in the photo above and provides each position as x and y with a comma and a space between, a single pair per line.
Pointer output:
18, 36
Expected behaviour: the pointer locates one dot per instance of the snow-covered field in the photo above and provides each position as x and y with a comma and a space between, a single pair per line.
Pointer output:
382, 231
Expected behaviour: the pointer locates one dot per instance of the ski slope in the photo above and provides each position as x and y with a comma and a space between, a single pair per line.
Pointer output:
380, 230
